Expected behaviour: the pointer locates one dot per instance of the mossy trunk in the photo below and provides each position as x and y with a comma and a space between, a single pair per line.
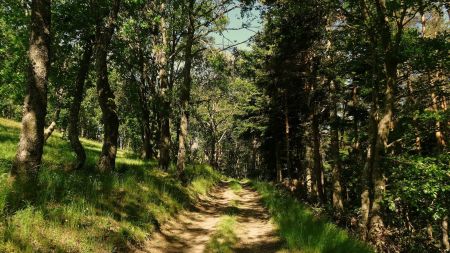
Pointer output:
30, 149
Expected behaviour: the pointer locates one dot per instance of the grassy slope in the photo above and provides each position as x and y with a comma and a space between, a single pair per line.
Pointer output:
301, 229
84, 211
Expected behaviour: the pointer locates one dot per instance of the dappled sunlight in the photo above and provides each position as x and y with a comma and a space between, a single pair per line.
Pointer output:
83, 211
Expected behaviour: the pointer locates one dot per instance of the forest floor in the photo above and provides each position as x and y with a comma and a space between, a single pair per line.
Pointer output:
230, 218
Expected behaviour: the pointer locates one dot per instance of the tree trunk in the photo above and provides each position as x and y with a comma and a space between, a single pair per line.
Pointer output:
367, 170
76, 105
390, 46
161, 61
444, 226
376, 227
147, 150
438, 132
277, 163
317, 173
105, 30
336, 163
413, 101
287, 138
185, 93
29, 152
49, 130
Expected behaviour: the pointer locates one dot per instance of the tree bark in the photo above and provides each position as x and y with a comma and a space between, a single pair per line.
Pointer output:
317, 173
336, 163
30, 149
161, 61
438, 132
278, 163
390, 46
49, 130
444, 227
147, 149
74, 117
106, 97
367, 170
185, 93
287, 138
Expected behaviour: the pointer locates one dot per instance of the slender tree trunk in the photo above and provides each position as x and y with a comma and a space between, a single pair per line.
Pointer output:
444, 227
74, 117
376, 227
317, 173
278, 163
438, 132
390, 46
52, 127
367, 170
147, 150
161, 61
29, 152
49, 130
413, 101
336, 164
185, 93
287, 138
105, 30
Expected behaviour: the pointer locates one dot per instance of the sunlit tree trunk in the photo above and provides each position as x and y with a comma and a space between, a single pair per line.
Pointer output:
185, 93
444, 228
105, 30
161, 61
29, 152
74, 116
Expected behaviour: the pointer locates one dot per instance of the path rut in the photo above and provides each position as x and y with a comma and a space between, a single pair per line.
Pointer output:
191, 231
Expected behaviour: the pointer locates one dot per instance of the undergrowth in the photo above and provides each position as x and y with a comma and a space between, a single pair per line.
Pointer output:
301, 229
83, 211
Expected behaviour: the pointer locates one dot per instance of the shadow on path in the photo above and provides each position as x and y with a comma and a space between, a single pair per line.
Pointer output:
191, 231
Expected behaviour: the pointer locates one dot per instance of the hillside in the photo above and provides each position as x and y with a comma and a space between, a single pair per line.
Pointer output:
82, 211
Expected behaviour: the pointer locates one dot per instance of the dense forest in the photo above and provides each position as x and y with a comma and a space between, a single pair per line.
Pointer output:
341, 105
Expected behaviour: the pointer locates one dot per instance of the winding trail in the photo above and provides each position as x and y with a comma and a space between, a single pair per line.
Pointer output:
191, 231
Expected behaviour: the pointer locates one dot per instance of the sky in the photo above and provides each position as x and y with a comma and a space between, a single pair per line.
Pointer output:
235, 35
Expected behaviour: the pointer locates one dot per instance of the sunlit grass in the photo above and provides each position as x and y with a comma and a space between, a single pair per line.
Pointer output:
84, 211
235, 186
301, 229
224, 238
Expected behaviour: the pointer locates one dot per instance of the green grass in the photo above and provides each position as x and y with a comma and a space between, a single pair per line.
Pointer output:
235, 186
301, 229
224, 238
83, 211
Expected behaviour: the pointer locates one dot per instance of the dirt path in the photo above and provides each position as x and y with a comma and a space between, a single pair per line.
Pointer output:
191, 231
